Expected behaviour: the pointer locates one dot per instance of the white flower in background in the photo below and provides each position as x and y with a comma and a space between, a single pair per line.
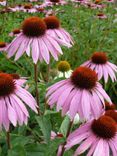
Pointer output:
3, 3
67, 74
76, 119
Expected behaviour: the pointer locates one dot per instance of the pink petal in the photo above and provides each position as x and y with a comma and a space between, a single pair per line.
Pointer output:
74, 104
82, 129
35, 50
21, 49
51, 48
76, 140
99, 150
20, 103
54, 44
63, 97
56, 86
11, 112
44, 50
5, 119
27, 98
67, 103
85, 145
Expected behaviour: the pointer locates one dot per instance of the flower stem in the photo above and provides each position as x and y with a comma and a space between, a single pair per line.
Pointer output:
8, 140
64, 74
36, 87
48, 72
68, 132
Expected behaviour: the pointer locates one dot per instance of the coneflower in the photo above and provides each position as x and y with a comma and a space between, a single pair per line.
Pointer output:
98, 137
105, 69
54, 28
81, 93
13, 99
35, 41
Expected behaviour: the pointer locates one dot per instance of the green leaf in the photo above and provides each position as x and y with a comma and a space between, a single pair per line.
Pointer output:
65, 125
17, 151
36, 149
50, 112
20, 140
53, 147
45, 126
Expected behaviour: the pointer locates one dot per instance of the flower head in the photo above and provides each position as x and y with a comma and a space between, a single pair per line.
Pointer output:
12, 102
112, 114
109, 106
63, 66
19, 80
101, 16
100, 64
81, 93
84, 78
98, 137
35, 40
52, 22
15, 32
54, 28
3, 46
33, 27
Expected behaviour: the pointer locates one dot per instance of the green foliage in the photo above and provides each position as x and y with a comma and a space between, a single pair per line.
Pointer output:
90, 34
45, 126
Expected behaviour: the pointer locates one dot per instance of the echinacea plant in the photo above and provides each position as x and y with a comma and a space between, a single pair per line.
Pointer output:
13, 99
3, 46
35, 41
81, 93
98, 136
54, 28
100, 64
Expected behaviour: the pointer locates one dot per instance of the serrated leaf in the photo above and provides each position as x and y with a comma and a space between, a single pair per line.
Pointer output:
45, 126
65, 125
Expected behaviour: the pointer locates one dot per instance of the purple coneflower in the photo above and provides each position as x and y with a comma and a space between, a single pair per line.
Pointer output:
101, 16
3, 46
29, 8
15, 32
13, 99
81, 93
33, 0
19, 80
99, 137
55, 2
35, 40
54, 28
99, 62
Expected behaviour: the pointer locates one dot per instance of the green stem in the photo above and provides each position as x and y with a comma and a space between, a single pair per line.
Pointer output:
36, 87
64, 74
8, 140
48, 72
68, 132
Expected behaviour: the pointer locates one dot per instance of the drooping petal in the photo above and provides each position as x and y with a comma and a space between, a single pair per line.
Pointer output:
26, 97
21, 49
85, 145
5, 119
20, 103
11, 112
44, 50
75, 104
35, 50
63, 97
99, 150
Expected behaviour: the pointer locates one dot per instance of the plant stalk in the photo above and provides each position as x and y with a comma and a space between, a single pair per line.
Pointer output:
36, 87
